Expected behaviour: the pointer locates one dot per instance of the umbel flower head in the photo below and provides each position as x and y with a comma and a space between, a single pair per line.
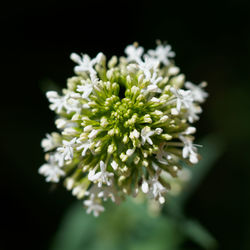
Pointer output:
123, 125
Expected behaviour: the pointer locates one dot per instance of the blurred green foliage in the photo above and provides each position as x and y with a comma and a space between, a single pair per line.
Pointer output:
131, 226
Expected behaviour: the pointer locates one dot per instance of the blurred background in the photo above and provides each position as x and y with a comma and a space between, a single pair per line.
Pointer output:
212, 43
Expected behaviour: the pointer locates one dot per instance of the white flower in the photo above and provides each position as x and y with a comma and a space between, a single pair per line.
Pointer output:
66, 150
50, 142
198, 94
158, 131
109, 192
162, 53
104, 193
85, 89
93, 133
59, 103
101, 177
189, 131
84, 146
183, 98
134, 134
79, 191
62, 123
51, 170
85, 63
114, 165
100, 58
71, 131
145, 135
93, 205
157, 190
162, 156
189, 150
120, 115
153, 87
134, 53
192, 112
154, 80
149, 65
173, 70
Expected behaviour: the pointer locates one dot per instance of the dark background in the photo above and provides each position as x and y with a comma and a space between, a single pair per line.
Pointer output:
212, 43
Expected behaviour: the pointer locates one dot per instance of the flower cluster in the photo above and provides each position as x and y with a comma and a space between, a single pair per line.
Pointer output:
123, 124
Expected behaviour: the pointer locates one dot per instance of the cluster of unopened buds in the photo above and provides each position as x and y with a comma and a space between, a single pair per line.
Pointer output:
123, 125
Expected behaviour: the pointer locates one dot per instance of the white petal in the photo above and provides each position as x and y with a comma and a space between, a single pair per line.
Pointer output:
145, 187
114, 164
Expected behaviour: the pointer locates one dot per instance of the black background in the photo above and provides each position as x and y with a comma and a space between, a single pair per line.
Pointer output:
212, 43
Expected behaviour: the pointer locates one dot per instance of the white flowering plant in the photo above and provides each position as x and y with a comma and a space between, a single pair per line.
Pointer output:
124, 124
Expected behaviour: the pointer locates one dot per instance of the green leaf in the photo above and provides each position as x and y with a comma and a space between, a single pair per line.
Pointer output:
195, 231
125, 227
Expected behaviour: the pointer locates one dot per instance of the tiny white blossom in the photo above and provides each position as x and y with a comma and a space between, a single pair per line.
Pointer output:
101, 177
134, 53
154, 80
109, 192
134, 134
84, 146
93, 205
198, 94
51, 170
66, 103
189, 131
50, 142
59, 158
85, 63
73, 106
147, 66
104, 192
67, 150
157, 190
183, 97
93, 134
69, 183
86, 90
58, 102
145, 135
158, 131
153, 87
189, 150
162, 156
62, 123
100, 58
192, 112
173, 70
162, 53
71, 131
79, 191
